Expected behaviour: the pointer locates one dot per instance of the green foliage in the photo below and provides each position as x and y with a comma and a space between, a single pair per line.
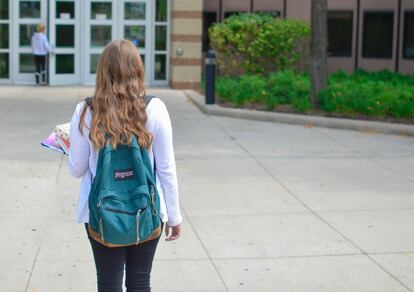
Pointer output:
287, 88
258, 44
241, 91
378, 94
381, 94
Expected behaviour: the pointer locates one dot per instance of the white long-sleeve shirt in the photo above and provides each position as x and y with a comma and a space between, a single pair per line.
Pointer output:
40, 44
83, 159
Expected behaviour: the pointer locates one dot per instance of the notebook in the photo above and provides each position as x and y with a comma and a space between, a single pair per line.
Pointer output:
59, 139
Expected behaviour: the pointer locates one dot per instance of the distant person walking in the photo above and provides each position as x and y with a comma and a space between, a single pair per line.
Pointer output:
40, 49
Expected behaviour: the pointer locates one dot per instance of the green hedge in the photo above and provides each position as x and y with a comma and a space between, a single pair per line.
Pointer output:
382, 94
258, 44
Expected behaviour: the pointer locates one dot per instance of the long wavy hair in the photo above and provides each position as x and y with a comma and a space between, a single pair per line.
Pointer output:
118, 103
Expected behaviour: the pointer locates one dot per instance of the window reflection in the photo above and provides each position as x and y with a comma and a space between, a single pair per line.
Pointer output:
4, 65
101, 10
94, 63
161, 38
4, 36
101, 35
161, 10
26, 63
160, 67
135, 10
29, 9
4, 9
26, 33
65, 9
136, 34
65, 64
65, 36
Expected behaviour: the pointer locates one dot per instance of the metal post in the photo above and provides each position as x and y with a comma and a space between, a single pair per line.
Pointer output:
210, 77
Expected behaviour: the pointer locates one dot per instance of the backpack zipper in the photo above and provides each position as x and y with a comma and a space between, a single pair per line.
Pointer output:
101, 228
119, 211
137, 219
100, 222
154, 209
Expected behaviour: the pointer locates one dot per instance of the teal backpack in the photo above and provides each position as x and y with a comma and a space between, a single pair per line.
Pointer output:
124, 204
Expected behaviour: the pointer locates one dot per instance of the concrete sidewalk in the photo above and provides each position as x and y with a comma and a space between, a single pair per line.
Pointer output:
268, 207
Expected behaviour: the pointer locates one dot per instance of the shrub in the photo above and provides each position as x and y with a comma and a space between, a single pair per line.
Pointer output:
288, 85
241, 91
258, 44
279, 88
378, 94
382, 94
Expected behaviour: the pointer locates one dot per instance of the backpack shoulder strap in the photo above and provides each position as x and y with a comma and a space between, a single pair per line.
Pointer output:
148, 99
88, 102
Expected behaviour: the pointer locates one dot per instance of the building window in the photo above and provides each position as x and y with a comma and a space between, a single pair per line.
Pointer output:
227, 14
408, 47
209, 18
4, 39
161, 41
340, 26
273, 13
378, 35
4, 65
4, 9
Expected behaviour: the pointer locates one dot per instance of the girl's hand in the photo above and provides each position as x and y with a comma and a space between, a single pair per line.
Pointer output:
172, 232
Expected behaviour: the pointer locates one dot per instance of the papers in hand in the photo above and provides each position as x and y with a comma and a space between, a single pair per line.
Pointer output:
59, 139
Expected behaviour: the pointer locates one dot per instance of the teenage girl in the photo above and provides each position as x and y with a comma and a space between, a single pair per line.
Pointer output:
119, 110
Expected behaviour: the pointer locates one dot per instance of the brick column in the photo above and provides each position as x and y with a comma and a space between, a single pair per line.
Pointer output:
186, 36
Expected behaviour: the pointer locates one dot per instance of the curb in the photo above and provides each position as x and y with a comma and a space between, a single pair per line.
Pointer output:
296, 119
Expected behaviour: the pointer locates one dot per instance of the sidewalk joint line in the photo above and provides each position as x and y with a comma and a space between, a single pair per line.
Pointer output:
308, 207
368, 157
59, 170
34, 264
205, 250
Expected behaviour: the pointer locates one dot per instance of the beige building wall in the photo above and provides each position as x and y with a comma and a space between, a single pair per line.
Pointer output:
239, 5
211, 5
186, 40
298, 9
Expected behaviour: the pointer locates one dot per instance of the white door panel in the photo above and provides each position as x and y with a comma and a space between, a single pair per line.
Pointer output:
64, 35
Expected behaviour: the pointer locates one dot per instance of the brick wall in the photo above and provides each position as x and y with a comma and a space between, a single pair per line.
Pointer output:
186, 37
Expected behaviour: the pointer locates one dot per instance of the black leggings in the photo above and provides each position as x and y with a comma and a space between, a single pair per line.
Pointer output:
40, 62
110, 264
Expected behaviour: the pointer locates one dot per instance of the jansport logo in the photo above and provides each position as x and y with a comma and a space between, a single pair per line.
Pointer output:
124, 174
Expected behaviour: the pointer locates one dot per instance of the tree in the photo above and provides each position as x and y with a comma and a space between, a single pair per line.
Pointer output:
319, 47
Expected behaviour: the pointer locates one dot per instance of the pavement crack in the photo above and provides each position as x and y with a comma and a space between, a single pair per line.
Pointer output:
34, 264
366, 157
205, 249
305, 205
59, 170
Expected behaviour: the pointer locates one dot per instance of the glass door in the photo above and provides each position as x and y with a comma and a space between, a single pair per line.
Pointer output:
101, 28
143, 22
159, 73
28, 14
65, 38
134, 26
4, 41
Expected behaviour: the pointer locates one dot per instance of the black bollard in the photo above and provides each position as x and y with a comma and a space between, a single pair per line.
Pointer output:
210, 77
